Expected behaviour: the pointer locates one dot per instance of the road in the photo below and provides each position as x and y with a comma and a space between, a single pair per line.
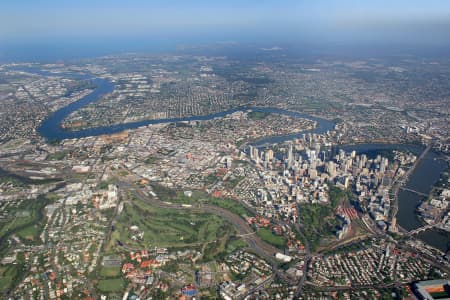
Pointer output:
302, 281
423, 228
254, 242
261, 285
413, 191
441, 265
351, 287
258, 246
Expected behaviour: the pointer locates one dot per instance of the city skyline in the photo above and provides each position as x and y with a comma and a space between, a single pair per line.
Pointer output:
244, 150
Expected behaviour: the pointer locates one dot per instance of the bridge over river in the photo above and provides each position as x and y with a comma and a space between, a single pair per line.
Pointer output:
423, 228
413, 191
399, 183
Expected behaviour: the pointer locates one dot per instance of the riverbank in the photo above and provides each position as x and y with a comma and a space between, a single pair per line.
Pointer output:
422, 180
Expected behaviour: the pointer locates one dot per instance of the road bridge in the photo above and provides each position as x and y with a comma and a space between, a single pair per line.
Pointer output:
401, 181
421, 229
413, 191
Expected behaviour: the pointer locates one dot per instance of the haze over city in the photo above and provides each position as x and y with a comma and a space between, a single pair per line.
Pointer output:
62, 28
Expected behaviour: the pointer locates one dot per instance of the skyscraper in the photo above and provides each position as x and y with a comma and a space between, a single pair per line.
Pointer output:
290, 158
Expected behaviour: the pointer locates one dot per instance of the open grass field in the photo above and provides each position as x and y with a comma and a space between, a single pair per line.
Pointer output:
26, 220
166, 194
234, 244
111, 285
8, 275
30, 233
4, 283
230, 205
110, 271
269, 237
257, 115
168, 228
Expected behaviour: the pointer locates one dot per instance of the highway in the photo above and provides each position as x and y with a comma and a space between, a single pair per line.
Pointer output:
255, 244
244, 230
302, 281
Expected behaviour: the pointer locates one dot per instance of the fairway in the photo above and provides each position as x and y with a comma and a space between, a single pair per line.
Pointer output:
4, 283
7, 276
167, 228
30, 233
233, 206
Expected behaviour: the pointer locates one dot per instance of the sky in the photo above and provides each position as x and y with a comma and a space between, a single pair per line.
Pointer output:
32, 22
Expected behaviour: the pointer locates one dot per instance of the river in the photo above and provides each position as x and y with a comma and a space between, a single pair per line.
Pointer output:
51, 128
424, 176
422, 180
